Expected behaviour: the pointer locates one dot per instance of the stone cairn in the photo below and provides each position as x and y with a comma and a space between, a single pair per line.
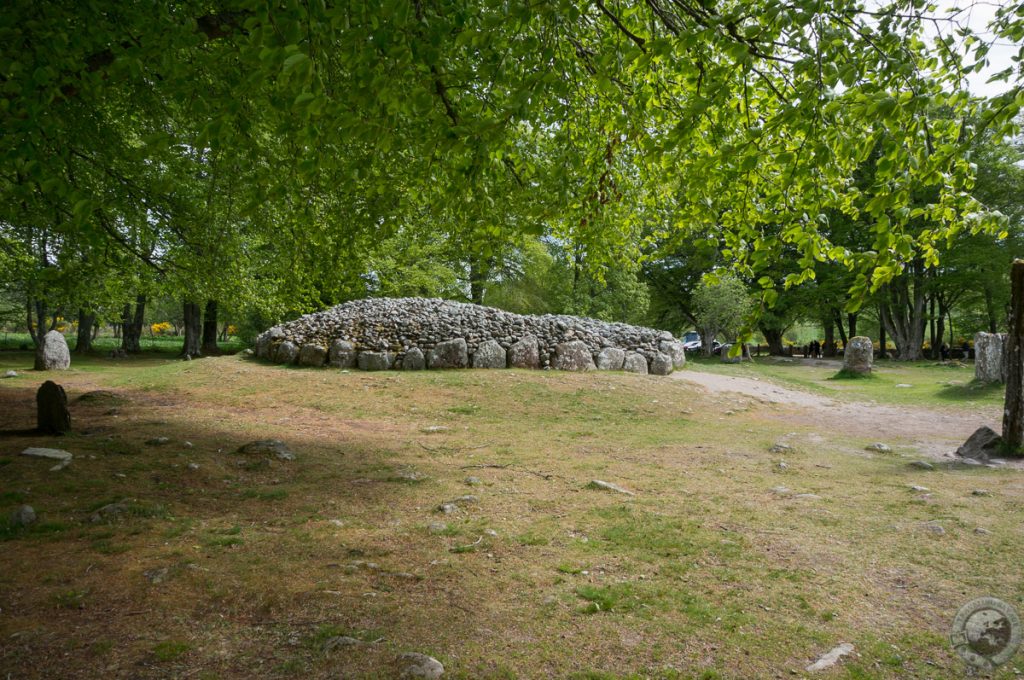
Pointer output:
859, 355
989, 362
378, 334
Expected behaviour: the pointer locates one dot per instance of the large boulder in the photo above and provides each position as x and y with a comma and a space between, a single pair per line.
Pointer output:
610, 359
414, 360
661, 364
489, 354
573, 356
449, 354
635, 363
981, 445
312, 355
525, 353
53, 416
674, 350
265, 343
989, 357
287, 352
859, 355
342, 354
374, 361
53, 354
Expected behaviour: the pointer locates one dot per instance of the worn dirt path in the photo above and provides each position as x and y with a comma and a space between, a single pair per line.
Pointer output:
934, 431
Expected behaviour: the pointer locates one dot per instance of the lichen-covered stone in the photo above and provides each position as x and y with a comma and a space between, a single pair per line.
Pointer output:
660, 364
342, 354
573, 356
286, 352
54, 354
674, 350
989, 360
859, 355
312, 355
414, 360
374, 361
449, 354
610, 359
524, 353
635, 363
489, 355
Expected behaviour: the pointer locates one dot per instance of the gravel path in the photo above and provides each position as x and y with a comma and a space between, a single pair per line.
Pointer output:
934, 431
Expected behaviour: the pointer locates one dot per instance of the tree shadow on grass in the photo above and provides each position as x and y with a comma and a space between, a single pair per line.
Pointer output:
972, 391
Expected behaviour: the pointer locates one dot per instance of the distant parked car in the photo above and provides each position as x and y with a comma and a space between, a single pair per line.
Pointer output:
692, 343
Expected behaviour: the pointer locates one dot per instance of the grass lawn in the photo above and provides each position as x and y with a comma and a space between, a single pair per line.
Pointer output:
214, 564
105, 343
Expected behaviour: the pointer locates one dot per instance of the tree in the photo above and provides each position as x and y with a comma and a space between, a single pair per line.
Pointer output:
721, 309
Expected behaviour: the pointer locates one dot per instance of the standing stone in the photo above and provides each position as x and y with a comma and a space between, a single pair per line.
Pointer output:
414, 360
525, 353
312, 355
489, 355
573, 356
53, 354
859, 355
374, 361
610, 359
52, 409
635, 363
661, 364
728, 359
342, 354
989, 365
450, 354
674, 349
286, 352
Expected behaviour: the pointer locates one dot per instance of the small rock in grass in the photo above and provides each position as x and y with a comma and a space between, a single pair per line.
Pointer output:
490, 532
63, 457
903, 385
11, 374
187, 444
779, 447
464, 500
879, 447
108, 512
781, 490
156, 576
337, 641
831, 657
982, 531
608, 486
193, 466
922, 465
934, 528
437, 527
920, 489
448, 508
23, 516
430, 429
980, 492
158, 441
782, 465
419, 666
473, 481
409, 476
267, 446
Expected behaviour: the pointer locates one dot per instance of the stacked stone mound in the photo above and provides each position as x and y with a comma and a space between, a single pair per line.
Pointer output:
420, 333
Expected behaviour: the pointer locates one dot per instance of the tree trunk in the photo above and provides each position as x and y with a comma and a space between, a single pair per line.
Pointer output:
851, 321
192, 324
990, 310
881, 335
131, 325
842, 329
86, 321
209, 347
830, 338
1013, 405
773, 336
903, 315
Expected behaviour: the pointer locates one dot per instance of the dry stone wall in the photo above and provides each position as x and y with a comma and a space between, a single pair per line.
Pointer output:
429, 333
